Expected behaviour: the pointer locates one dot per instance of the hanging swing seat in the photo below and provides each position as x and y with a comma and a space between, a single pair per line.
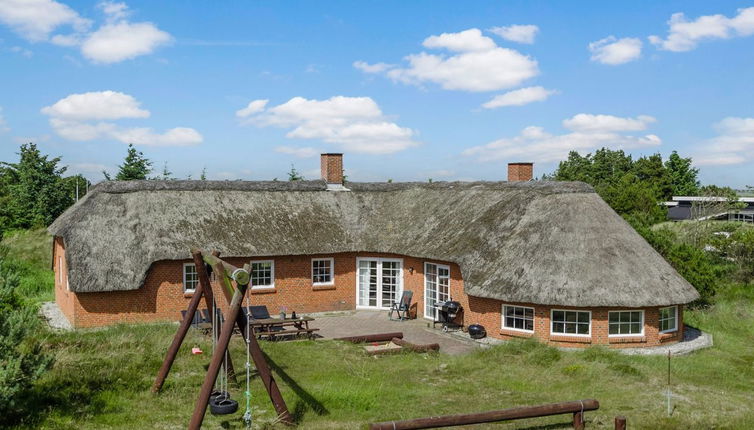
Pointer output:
223, 405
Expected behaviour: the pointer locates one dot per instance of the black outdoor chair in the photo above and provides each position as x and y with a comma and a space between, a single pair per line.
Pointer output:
258, 312
402, 307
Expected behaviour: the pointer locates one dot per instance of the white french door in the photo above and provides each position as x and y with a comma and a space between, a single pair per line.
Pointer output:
379, 282
436, 287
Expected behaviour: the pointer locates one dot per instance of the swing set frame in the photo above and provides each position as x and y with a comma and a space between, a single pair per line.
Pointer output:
228, 275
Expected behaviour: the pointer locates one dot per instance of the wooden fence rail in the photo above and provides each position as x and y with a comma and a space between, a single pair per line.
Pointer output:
576, 408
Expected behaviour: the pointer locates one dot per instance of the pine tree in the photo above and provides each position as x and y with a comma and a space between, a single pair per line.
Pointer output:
34, 191
293, 174
683, 177
134, 167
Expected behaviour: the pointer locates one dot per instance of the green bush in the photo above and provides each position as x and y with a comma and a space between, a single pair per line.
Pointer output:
22, 359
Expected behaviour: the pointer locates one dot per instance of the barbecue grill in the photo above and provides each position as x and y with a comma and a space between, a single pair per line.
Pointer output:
447, 313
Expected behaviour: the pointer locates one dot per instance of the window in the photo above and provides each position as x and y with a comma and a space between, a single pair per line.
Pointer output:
436, 287
668, 319
577, 323
518, 318
263, 274
322, 271
60, 270
622, 323
190, 278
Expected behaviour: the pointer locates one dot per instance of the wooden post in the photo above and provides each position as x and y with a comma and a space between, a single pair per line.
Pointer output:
492, 416
578, 420
264, 371
620, 423
203, 289
217, 358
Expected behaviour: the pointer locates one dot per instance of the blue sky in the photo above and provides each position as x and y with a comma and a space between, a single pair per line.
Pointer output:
407, 90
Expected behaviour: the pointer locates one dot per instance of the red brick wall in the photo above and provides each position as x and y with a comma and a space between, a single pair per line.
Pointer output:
331, 166
162, 298
64, 298
488, 312
520, 172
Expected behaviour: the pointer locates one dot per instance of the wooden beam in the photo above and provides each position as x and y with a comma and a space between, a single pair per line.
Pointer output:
490, 416
217, 358
263, 369
379, 337
414, 347
167, 363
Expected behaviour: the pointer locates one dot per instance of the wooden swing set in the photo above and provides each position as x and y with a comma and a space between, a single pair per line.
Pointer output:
228, 275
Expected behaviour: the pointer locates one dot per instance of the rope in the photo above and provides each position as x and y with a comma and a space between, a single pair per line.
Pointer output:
582, 411
247, 393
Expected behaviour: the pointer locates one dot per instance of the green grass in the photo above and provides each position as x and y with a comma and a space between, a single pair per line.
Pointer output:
29, 253
101, 379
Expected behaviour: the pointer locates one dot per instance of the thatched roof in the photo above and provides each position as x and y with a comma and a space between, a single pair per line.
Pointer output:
538, 242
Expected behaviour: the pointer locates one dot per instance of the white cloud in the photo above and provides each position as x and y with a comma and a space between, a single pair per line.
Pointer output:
585, 122
115, 40
36, 19
252, 108
22, 51
516, 33
535, 144
79, 117
477, 64
353, 123
733, 145
614, 51
86, 168
519, 97
3, 125
684, 35
372, 68
96, 105
465, 41
113, 43
306, 152
178, 136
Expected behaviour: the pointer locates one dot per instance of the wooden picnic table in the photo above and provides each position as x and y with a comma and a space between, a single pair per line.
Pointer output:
273, 327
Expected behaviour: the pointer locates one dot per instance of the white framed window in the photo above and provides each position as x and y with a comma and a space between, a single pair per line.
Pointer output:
625, 323
60, 270
323, 271
571, 323
263, 274
668, 319
519, 318
190, 278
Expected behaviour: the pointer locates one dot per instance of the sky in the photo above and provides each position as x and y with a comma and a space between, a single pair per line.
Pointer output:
414, 90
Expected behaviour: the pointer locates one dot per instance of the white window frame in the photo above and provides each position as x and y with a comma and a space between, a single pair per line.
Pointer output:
533, 319
659, 319
332, 271
379, 260
189, 290
427, 314
60, 270
630, 334
272, 275
552, 333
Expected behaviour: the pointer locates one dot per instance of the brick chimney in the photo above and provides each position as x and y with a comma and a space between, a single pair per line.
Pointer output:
520, 172
331, 166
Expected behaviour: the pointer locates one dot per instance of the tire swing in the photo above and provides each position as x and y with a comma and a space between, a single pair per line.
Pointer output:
220, 402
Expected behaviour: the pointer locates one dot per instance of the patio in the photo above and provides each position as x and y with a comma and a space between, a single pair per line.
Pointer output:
361, 321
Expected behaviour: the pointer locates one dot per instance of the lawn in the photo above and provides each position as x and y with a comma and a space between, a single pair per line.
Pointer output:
29, 253
101, 379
